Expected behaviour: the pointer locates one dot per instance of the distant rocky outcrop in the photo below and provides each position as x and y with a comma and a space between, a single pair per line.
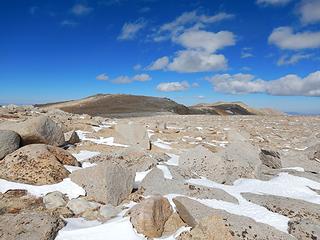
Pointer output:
122, 105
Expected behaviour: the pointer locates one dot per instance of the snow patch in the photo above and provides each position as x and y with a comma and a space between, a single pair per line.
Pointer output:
67, 187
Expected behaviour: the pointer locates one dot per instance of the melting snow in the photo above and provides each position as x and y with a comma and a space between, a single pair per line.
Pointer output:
105, 141
161, 144
66, 186
119, 229
166, 171
284, 185
173, 161
84, 154
139, 177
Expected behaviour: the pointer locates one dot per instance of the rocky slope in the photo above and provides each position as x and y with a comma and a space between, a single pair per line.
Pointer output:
74, 176
121, 105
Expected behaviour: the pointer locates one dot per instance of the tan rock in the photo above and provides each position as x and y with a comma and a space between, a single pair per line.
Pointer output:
37, 130
150, 216
211, 228
36, 164
173, 224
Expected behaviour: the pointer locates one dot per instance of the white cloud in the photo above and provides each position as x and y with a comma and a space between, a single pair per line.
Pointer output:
159, 64
141, 77
102, 77
122, 80
293, 59
309, 11
273, 2
246, 53
130, 30
285, 38
81, 9
201, 97
188, 61
188, 20
289, 85
195, 84
200, 46
173, 86
126, 79
207, 41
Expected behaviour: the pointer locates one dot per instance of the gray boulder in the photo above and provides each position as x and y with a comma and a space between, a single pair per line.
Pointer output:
270, 158
134, 135
37, 130
107, 182
240, 227
9, 142
54, 200
238, 160
155, 183
29, 226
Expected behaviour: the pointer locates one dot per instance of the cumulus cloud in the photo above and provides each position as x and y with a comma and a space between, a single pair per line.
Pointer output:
130, 30
309, 11
289, 85
173, 86
188, 20
199, 46
159, 64
293, 59
191, 61
206, 41
123, 79
81, 10
285, 38
102, 77
141, 77
273, 2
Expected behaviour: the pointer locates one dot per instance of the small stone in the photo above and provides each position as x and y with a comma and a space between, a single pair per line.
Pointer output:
54, 200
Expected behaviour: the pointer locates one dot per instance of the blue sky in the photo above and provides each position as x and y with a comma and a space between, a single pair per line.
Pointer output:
262, 52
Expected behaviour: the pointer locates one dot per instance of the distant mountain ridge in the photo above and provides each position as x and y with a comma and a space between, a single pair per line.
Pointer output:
122, 105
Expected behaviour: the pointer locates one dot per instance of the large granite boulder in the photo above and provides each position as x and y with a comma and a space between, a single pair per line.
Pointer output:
9, 142
150, 216
134, 135
238, 160
107, 182
37, 130
29, 226
37, 164
240, 227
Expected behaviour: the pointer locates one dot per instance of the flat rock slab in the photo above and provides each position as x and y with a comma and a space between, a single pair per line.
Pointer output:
134, 135
155, 183
29, 226
37, 130
240, 227
107, 182
291, 208
9, 142
238, 160
304, 229
37, 164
